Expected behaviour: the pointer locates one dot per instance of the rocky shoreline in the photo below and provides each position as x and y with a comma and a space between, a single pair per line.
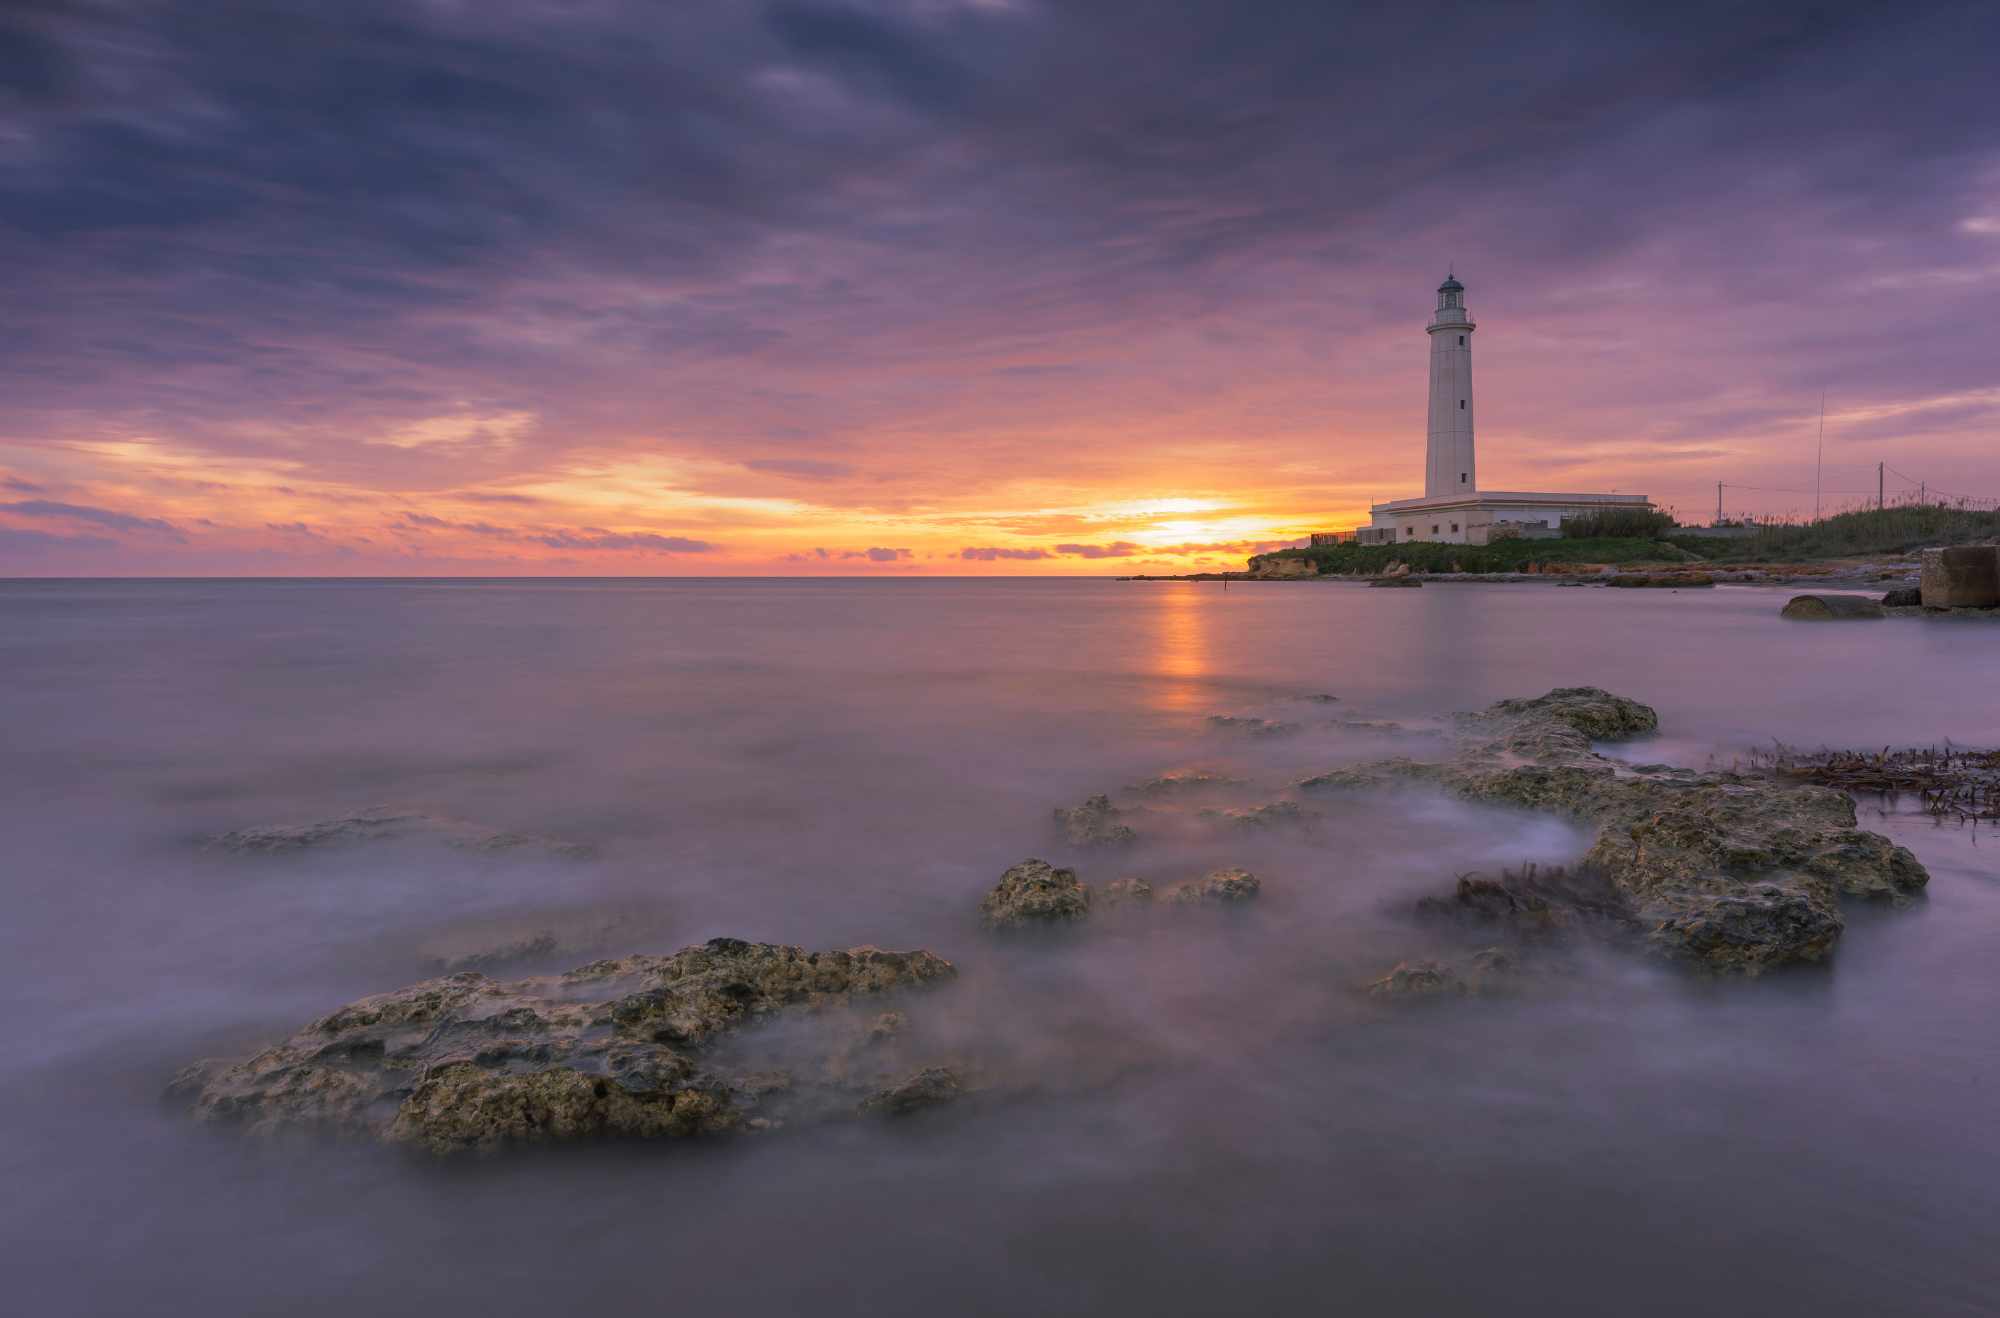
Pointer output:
1723, 874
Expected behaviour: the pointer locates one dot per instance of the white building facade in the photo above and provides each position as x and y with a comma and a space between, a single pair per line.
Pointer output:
1453, 508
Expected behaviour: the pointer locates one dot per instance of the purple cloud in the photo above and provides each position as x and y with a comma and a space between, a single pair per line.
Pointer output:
105, 517
1119, 549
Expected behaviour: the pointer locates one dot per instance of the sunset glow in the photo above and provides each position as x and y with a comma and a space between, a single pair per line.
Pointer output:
818, 318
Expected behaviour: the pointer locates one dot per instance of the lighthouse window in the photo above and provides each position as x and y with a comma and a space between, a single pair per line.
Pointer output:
1461, 340
1461, 478
1461, 404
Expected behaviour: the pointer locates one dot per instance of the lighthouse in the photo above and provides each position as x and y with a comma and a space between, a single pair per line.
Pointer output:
1453, 507
1448, 462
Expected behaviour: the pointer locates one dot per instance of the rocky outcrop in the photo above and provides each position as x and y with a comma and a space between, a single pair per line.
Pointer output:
620, 1048
1731, 873
1903, 597
1095, 823
386, 823
1035, 892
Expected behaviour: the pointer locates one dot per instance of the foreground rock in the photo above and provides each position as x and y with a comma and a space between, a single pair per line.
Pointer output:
1831, 608
384, 824
1035, 892
1732, 873
623, 1048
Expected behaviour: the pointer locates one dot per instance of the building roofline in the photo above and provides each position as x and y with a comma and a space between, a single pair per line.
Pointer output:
1478, 497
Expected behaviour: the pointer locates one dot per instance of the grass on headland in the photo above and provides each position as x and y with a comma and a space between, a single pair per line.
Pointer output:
1863, 531
1501, 556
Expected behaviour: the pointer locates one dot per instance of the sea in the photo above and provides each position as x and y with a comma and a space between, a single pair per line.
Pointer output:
1195, 1115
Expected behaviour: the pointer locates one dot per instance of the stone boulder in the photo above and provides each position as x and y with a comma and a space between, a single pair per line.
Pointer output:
1831, 608
623, 1048
1904, 597
1035, 892
1963, 578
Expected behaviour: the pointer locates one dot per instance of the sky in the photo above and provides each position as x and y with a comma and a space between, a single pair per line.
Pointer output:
906, 287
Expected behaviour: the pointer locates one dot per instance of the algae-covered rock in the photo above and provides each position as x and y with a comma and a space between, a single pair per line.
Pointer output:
615, 1048
1221, 886
1596, 713
1095, 823
1732, 873
1035, 892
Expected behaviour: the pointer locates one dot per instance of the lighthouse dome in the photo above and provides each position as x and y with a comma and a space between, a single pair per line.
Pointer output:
1451, 285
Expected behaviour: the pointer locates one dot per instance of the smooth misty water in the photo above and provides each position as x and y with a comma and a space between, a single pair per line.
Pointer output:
1220, 1123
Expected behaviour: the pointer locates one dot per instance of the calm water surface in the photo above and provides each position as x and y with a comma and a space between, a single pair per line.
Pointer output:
1219, 1123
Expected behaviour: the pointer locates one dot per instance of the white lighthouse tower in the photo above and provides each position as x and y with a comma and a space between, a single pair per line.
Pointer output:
1454, 509
1448, 464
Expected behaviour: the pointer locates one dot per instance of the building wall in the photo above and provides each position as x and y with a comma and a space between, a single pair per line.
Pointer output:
1472, 525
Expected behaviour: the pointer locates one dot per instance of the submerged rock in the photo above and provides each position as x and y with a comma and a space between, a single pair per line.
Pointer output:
1035, 892
1121, 891
1218, 886
1732, 873
1904, 597
1488, 971
931, 1087
1274, 814
1187, 780
615, 1048
1095, 823
1256, 727
386, 823
1534, 903
1660, 581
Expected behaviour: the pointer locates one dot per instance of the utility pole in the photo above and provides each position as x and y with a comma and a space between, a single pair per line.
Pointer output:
1819, 461
1718, 503
1878, 487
